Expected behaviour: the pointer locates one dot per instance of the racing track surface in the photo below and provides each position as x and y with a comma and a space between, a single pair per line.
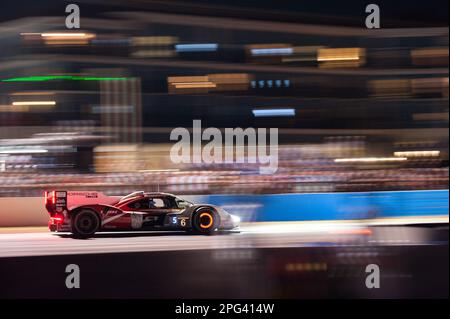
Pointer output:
264, 235
283, 261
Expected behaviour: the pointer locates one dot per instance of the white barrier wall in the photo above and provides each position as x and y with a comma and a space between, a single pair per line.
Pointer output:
22, 211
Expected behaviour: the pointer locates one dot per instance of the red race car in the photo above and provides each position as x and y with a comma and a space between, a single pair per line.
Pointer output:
83, 213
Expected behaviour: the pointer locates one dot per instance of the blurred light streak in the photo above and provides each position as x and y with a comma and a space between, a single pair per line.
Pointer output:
154, 46
390, 88
272, 51
32, 93
213, 82
409, 220
338, 59
417, 153
341, 57
441, 116
230, 81
301, 227
273, 112
67, 38
236, 219
10, 108
65, 35
437, 87
198, 47
430, 56
24, 151
159, 170
182, 79
153, 53
41, 78
154, 40
34, 103
362, 231
301, 267
191, 85
370, 159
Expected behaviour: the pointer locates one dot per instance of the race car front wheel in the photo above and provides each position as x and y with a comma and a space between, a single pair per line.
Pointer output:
85, 223
205, 221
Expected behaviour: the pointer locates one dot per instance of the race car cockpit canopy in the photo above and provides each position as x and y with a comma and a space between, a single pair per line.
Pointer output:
134, 194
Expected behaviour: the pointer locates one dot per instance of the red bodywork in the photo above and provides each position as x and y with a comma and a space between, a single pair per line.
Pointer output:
114, 211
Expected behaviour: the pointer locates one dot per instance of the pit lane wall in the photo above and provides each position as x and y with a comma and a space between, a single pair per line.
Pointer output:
30, 211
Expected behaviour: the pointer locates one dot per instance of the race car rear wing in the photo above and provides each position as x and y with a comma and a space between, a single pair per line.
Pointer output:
58, 201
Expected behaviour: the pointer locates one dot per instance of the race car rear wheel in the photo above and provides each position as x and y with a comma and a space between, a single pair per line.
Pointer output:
85, 223
205, 221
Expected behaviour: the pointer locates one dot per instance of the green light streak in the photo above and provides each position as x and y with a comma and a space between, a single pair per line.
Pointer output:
44, 78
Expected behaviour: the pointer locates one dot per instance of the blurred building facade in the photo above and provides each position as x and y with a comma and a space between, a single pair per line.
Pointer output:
115, 89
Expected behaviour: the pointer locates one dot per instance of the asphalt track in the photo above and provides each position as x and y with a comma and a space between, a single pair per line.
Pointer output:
300, 260
262, 235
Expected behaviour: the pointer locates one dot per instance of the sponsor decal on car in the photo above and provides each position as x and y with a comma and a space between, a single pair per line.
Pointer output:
137, 219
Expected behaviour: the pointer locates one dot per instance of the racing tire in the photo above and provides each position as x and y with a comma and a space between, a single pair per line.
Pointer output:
85, 223
205, 221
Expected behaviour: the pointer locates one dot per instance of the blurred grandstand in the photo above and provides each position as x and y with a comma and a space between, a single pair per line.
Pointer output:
93, 108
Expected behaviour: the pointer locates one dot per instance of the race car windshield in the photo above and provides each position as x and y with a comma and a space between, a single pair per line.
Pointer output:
181, 203
139, 193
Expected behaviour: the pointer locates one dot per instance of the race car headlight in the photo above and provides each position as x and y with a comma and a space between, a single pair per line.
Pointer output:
235, 219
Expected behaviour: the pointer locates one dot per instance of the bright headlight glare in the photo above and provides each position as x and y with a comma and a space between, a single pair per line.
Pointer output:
236, 219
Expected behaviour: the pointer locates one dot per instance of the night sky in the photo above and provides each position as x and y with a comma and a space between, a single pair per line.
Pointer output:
398, 13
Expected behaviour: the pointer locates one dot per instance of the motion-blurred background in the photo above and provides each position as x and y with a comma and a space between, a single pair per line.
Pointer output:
358, 110
362, 116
